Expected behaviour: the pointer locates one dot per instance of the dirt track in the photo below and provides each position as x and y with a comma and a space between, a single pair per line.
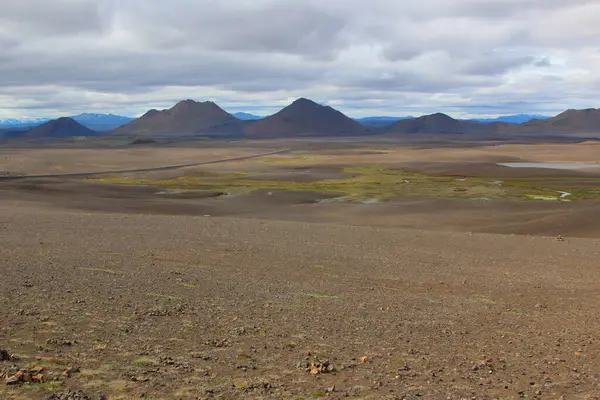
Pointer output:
181, 307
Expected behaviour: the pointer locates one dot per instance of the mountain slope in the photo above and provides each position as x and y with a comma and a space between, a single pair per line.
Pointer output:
511, 119
570, 121
57, 128
440, 123
305, 118
188, 118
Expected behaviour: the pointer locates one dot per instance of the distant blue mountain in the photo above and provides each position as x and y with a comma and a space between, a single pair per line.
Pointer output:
101, 122
380, 121
22, 122
512, 119
246, 116
97, 122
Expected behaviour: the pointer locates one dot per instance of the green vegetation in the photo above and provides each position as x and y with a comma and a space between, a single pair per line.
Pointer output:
107, 271
188, 285
383, 182
143, 361
542, 196
320, 296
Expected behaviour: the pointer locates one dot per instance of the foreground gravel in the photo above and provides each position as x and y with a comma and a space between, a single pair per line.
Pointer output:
169, 307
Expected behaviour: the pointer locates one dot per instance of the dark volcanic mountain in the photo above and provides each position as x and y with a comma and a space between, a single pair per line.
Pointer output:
441, 123
57, 128
188, 117
305, 118
570, 121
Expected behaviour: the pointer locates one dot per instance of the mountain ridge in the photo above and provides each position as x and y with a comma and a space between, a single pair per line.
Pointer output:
305, 117
302, 118
188, 117
58, 128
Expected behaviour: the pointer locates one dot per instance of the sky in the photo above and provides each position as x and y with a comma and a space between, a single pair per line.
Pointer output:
378, 57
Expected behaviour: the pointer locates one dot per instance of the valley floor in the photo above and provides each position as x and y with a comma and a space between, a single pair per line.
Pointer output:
254, 294
201, 307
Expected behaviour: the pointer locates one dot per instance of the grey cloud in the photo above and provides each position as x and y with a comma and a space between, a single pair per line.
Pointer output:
543, 62
490, 64
42, 17
380, 54
283, 26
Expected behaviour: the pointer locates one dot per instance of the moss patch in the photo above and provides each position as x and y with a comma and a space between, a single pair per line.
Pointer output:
320, 296
379, 182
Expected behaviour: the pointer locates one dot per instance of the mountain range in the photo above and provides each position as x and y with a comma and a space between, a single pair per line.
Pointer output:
97, 122
380, 121
511, 119
305, 118
246, 116
56, 128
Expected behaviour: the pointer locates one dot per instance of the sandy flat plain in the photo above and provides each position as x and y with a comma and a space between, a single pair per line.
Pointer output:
236, 284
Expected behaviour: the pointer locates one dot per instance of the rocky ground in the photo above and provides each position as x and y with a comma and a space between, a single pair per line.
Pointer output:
123, 306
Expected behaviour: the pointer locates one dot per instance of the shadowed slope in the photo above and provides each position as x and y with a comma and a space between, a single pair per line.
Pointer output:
61, 127
305, 118
187, 117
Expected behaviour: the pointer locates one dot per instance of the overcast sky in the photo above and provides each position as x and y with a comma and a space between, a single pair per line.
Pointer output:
364, 57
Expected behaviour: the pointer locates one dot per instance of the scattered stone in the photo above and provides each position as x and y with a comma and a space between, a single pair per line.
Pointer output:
480, 365
180, 365
321, 367
61, 342
5, 355
245, 330
34, 375
305, 364
217, 343
73, 395
201, 356
69, 371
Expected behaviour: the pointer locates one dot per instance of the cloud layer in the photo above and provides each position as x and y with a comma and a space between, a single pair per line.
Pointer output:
463, 57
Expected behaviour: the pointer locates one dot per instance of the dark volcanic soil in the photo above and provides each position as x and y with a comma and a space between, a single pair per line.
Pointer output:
199, 307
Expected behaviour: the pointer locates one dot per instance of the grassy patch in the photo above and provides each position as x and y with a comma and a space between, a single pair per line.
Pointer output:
143, 361
189, 286
293, 159
542, 196
320, 296
512, 313
483, 299
380, 182
56, 361
106, 271
241, 385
